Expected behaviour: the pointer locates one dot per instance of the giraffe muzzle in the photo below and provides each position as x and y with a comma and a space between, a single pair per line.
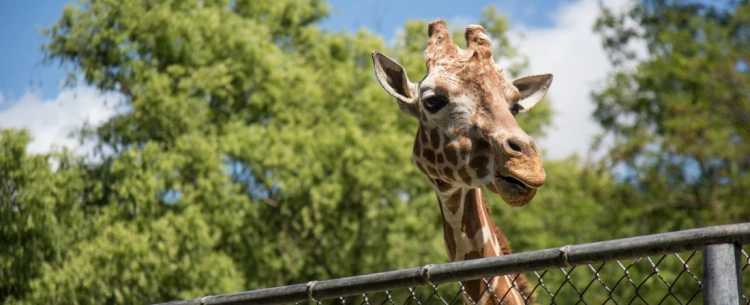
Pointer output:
523, 172
518, 178
519, 163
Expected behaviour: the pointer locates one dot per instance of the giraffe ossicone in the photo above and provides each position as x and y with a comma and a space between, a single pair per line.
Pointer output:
468, 139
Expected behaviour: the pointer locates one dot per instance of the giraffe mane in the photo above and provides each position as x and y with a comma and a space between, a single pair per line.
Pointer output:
520, 280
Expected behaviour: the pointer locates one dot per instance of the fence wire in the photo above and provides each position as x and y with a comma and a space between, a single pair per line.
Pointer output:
673, 278
665, 279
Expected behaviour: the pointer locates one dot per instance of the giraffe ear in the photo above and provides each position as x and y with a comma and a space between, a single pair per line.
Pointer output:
532, 89
392, 77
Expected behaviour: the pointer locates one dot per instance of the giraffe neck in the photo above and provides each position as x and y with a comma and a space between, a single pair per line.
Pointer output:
470, 233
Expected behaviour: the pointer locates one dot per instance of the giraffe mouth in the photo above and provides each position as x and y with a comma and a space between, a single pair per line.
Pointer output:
514, 182
514, 192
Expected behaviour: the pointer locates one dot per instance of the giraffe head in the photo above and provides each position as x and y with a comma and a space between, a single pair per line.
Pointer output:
468, 136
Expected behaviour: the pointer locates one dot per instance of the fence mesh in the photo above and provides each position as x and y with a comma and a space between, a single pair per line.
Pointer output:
666, 279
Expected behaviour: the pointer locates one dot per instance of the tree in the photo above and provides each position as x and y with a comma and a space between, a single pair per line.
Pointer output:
37, 212
252, 138
679, 117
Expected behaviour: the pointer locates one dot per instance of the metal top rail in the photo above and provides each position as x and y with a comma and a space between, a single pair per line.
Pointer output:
567, 256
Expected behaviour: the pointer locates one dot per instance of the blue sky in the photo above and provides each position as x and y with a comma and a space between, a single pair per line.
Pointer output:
386, 16
20, 54
20, 21
558, 39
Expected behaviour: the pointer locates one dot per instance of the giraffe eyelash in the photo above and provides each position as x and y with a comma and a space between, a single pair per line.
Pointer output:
434, 103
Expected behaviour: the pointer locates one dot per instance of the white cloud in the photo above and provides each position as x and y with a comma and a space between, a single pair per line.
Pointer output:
2, 98
573, 53
51, 121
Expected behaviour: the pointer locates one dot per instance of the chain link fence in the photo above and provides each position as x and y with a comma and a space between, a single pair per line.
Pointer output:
669, 268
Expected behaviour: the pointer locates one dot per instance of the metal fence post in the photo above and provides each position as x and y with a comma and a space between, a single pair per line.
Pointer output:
722, 280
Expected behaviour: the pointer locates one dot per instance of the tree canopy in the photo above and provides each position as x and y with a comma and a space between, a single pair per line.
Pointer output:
679, 118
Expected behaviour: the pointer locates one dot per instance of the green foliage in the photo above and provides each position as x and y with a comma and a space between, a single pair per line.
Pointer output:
38, 212
680, 119
677, 117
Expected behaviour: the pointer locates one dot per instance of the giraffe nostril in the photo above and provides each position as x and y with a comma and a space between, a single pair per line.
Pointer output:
515, 147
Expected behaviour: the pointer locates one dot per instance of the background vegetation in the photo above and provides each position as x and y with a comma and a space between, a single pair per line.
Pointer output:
254, 149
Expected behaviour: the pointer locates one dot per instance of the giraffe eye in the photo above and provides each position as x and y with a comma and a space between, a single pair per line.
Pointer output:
515, 109
434, 103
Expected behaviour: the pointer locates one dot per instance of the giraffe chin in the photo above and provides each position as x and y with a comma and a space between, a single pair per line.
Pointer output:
513, 192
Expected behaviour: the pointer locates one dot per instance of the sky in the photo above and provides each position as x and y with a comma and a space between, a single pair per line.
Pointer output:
556, 35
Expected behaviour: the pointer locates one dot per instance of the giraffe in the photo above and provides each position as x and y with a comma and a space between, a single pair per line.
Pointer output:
468, 139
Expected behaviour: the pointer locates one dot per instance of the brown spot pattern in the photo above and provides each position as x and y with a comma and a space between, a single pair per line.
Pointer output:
448, 172
481, 144
454, 202
429, 155
433, 172
464, 174
442, 185
450, 242
450, 153
421, 168
470, 223
479, 164
465, 145
434, 138
474, 289
472, 255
